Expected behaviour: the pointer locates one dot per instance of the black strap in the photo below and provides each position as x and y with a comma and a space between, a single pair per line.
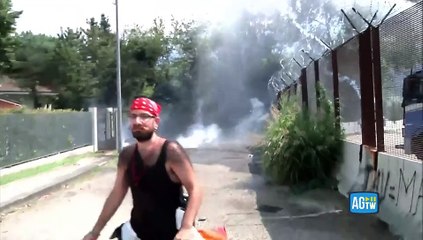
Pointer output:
137, 168
137, 158
163, 152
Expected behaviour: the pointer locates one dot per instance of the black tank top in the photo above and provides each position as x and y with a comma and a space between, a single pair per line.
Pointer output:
155, 198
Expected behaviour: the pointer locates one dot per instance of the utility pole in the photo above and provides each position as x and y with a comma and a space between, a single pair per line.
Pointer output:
118, 85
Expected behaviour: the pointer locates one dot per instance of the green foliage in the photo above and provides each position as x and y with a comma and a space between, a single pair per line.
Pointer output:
30, 172
31, 66
166, 63
7, 29
26, 110
80, 64
302, 148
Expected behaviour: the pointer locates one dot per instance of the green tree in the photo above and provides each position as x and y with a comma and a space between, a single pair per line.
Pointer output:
7, 29
99, 53
72, 70
32, 62
183, 68
141, 52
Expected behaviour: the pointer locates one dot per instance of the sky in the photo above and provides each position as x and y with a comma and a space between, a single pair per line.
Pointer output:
47, 16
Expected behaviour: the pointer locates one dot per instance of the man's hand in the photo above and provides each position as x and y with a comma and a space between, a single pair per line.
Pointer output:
91, 236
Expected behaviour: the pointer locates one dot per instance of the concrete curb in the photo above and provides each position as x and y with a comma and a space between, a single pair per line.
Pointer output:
55, 184
45, 160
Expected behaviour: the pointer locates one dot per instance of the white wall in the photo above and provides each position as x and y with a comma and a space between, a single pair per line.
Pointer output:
398, 181
400, 186
349, 170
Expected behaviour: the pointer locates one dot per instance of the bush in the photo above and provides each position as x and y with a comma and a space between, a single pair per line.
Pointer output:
301, 148
33, 111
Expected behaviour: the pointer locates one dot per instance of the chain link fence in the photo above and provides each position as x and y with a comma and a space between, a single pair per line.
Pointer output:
349, 90
26, 136
325, 75
351, 74
311, 86
401, 43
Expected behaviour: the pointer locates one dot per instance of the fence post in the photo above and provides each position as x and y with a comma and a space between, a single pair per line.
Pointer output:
366, 90
116, 128
335, 82
317, 82
304, 92
93, 111
377, 82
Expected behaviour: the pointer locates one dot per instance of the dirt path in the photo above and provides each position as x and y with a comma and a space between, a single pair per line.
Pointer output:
233, 196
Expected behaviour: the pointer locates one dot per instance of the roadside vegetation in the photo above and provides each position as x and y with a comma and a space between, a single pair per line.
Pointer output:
31, 172
302, 149
26, 110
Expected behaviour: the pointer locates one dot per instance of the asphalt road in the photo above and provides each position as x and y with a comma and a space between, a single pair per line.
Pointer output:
248, 206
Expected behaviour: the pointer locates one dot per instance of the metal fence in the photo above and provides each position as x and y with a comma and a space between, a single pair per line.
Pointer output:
106, 128
401, 43
350, 89
375, 81
26, 136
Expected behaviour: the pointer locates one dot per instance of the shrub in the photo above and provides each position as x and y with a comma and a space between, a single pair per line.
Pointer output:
33, 111
302, 148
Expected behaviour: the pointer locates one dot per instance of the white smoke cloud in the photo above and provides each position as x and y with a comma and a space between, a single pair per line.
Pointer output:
200, 135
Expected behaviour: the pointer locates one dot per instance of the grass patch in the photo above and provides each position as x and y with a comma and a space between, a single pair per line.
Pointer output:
112, 163
30, 172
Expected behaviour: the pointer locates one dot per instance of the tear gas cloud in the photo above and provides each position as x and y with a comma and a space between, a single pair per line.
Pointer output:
253, 43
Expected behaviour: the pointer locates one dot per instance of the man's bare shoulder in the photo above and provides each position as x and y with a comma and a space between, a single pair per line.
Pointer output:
126, 154
176, 153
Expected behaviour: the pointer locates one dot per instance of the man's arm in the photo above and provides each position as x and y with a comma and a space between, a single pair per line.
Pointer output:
181, 165
117, 194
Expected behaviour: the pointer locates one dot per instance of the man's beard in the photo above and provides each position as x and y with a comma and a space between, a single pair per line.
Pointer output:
142, 136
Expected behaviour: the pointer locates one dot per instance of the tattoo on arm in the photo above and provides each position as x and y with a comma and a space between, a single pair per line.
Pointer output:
177, 154
183, 168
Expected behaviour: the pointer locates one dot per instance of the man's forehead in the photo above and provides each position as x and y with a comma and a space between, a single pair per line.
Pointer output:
140, 112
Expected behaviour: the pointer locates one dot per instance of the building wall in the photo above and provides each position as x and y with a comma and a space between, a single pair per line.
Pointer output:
27, 101
400, 185
6, 105
398, 181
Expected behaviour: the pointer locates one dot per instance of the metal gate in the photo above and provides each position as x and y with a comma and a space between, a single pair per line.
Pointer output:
106, 128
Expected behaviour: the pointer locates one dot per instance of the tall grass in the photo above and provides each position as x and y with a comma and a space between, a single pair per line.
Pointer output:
302, 149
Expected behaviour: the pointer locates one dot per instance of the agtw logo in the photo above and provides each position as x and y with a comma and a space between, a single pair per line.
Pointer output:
364, 202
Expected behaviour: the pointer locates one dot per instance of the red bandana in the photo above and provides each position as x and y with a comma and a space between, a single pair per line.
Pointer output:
147, 105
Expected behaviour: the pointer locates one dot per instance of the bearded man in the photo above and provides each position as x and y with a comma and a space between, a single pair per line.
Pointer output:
155, 169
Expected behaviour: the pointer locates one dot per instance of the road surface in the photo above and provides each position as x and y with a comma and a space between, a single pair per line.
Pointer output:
248, 206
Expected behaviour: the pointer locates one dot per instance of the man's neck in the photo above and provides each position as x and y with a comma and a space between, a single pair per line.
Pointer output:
148, 144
